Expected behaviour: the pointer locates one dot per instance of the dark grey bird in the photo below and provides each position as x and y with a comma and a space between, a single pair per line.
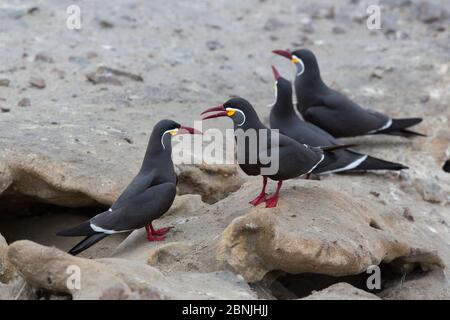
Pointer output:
149, 195
261, 151
284, 118
333, 111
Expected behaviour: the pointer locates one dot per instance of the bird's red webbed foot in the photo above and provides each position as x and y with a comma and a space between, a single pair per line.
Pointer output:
153, 238
155, 235
262, 196
259, 199
272, 201
161, 232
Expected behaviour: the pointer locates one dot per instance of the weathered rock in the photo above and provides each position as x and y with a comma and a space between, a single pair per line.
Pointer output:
216, 285
49, 269
341, 291
212, 182
33, 176
53, 270
429, 286
187, 203
6, 268
168, 253
310, 231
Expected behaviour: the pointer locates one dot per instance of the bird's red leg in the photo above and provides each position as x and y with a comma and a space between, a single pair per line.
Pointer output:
262, 196
273, 200
159, 232
150, 235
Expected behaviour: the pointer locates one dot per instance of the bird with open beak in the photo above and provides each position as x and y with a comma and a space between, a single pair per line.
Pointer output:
149, 195
333, 111
294, 159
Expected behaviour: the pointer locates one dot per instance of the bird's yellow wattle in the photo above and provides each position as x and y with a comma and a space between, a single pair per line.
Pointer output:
231, 112
173, 132
294, 60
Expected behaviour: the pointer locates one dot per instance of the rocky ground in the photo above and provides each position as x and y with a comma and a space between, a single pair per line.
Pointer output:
77, 107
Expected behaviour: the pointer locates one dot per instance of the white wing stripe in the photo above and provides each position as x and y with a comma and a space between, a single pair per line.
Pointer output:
387, 125
321, 159
100, 229
350, 166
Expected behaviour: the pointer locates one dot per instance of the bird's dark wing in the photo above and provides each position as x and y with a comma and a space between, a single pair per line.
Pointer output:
139, 184
339, 160
341, 117
296, 158
139, 210
307, 133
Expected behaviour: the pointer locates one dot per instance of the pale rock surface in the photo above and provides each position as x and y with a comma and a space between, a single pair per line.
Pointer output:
6, 268
112, 278
341, 291
319, 230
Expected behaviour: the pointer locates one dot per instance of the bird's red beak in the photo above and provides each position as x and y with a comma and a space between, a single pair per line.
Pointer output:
188, 130
276, 74
220, 108
283, 53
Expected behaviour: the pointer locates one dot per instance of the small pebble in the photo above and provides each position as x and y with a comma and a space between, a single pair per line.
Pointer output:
44, 57
338, 30
25, 102
37, 82
408, 215
375, 193
4, 83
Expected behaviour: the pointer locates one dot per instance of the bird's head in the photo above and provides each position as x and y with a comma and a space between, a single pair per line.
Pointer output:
169, 128
303, 59
238, 109
282, 85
